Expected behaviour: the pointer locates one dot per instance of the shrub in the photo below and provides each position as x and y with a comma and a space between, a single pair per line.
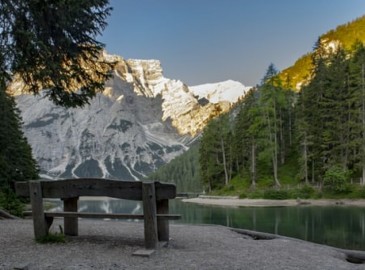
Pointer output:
52, 238
256, 194
336, 180
305, 192
11, 203
276, 194
243, 195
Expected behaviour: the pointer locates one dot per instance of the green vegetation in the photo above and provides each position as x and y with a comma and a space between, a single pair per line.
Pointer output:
281, 144
16, 161
284, 144
53, 47
53, 238
184, 171
11, 203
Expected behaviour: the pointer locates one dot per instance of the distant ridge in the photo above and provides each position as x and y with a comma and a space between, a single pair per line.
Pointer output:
344, 35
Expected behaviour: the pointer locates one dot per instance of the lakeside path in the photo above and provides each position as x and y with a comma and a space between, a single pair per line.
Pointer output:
110, 245
235, 202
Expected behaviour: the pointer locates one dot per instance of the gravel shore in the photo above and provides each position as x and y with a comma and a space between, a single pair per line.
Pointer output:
111, 244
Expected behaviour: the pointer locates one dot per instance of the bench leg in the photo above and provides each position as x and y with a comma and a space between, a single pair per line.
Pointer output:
150, 218
163, 224
39, 219
70, 223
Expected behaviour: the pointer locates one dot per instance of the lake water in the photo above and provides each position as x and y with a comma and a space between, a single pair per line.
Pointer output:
339, 226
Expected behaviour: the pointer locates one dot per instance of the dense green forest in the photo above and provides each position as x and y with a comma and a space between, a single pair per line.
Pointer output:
279, 143
184, 171
311, 140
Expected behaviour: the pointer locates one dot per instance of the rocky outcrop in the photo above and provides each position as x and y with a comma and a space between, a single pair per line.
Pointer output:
141, 121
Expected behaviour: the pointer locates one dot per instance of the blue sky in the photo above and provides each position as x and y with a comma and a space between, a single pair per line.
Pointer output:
201, 41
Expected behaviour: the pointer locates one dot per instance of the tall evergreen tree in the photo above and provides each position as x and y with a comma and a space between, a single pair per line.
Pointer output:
271, 102
357, 107
247, 135
51, 45
16, 162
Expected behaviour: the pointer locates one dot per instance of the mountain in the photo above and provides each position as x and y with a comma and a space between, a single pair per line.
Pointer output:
141, 121
344, 35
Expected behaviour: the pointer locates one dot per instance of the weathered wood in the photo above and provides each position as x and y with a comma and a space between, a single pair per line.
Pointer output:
94, 215
155, 198
104, 215
70, 223
70, 188
163, 224
39, 220
150, 218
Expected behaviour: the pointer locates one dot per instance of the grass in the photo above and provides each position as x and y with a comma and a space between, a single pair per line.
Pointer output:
53, 238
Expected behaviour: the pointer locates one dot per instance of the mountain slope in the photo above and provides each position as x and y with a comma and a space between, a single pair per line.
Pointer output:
344, 35
141, 121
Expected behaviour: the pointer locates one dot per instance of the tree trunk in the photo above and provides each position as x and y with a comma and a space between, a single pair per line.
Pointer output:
305, 156
282, 141
253, 165
290, 127
224, 163
275, 154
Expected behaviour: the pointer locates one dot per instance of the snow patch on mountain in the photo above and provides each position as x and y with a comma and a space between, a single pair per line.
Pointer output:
222, 91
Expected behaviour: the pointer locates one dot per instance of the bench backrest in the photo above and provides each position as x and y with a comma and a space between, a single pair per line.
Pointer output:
71, 188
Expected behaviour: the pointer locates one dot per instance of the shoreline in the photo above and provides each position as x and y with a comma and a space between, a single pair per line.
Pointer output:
235, 202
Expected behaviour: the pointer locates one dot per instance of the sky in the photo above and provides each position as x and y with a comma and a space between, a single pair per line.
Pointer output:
207, 41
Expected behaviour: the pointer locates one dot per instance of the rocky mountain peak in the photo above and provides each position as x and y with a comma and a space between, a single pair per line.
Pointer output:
141, 121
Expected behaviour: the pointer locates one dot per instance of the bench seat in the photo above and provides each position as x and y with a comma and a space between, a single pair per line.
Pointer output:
103, 215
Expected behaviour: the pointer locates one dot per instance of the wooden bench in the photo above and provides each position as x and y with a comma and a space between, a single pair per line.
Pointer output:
154, 195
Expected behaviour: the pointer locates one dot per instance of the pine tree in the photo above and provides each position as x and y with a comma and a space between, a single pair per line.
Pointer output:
271, 102
51, 45
216, 158
357, 107
16, 161
247, 135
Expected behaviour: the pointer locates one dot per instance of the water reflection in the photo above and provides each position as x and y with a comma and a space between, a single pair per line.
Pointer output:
339, 226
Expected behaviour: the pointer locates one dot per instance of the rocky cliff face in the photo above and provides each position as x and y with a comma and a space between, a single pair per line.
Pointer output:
141, 121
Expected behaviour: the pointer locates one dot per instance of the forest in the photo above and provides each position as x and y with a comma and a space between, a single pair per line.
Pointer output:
280, 143
280, 139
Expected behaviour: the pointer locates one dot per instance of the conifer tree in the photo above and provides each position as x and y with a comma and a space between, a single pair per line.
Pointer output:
51, 45
16, 161
271, 101
247, 135
357, 107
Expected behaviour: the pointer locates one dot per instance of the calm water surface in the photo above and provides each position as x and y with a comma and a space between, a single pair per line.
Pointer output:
339, 226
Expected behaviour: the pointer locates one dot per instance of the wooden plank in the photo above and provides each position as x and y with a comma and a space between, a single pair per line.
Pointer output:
103, 215
165, 191
69, 188
149, 211
163, 224
94, 215
70, 223
39, 221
